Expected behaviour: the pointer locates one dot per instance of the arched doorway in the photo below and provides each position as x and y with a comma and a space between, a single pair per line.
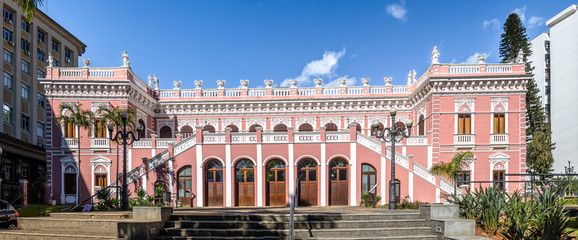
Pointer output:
280, 128
307, 175
368, 178
143, 133
275, 189
253, 128
186, 131
245, 183
185, 186
331, 127
166, 132
338, 182
305, 127
209, 128
214, 183
233, 127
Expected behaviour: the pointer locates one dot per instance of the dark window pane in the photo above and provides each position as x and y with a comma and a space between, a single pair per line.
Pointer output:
343, 174
210, 177
281, 176
240, 176
333, 174
250, 176
302, 175
219, 176
312, 175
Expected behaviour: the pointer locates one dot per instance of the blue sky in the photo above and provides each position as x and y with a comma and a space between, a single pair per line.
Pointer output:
258, 40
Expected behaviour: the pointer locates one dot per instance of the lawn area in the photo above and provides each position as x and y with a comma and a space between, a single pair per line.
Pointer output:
36, 210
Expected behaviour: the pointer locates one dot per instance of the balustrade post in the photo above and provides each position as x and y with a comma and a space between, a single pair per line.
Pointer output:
259, 134
322, 134
153, 141
179, 136
199, 134
290, 134
353, 132
228, 134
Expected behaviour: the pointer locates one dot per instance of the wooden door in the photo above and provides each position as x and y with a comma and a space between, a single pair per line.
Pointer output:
307, 174
214, 184
184, 186
338, 183
275, 187
245, 183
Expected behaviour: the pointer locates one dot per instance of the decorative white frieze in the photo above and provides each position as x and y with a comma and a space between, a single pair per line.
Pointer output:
331, 119
283, 120
308, 119
192, 122
251, 121
465, 105
165, 122
499, 104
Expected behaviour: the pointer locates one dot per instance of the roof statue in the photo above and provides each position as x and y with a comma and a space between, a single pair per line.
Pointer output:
198, 84
221, 83
125, 61
435, 55
387, 81
481, 58
150, 80
318, 82
156, 80
268, 83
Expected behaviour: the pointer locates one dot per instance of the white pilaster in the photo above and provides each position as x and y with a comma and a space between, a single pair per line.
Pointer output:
200, 194
259, 175
353, 155
382, 180
410, 186
291, 166
228, 177
144, 182
438, 200
323, 166
429, 156
171, 171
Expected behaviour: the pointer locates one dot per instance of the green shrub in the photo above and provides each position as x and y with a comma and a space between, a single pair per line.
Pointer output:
517, 217
367, 200
491, 202
550, 221
407, 204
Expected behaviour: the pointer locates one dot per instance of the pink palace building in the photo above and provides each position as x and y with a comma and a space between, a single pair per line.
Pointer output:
246, 146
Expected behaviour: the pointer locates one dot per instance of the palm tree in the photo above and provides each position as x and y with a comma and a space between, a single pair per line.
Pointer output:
112, 114
28, 7
81, 119
452, 169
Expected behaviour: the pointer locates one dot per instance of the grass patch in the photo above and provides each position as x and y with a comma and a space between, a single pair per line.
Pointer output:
37, 210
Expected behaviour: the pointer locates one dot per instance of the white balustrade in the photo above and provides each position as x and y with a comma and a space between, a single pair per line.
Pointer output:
165, 94
275, 137
100, 72
416, 141
446, 186
210, 93
257, 92
233, 93
498, 69
331, 91
142, 143
306, 92
464, 139
243, 137
378, 90
69, 143
281, 92
354, 91
187, 93
422, 172
337, 136
398, 89
184, 144
464, 69
306, 137
214, 138
100, 143
499, 139
368, 142
70, 72
164, 142
399, 159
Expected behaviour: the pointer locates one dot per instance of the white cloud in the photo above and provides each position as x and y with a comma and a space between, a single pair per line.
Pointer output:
397, 10
493, 24
324, 67
535, 21
335, 82
521, 13
473, 59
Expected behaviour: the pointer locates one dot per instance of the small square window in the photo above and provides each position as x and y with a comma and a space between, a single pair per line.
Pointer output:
25, 26
40, 73
67, 56
8, 56
40, 36
25, 122
40, 129
25, 171
55, 45
8, 36
8, 114
40, 99
40, 54
25, 66
7, 80
8, 15
25, 45
25, 91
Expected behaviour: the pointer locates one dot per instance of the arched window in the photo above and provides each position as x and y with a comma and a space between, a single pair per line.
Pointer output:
186, 131
233, 127
253, 128
380, 129
421, 123
280, 128
209, 128
400, 125
100, 176
305, 127
331, 127
69, 180
143, 133
166, 132
368, 178
69, 129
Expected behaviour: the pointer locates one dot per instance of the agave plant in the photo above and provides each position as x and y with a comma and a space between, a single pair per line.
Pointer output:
518, 214
491, 202
550, 221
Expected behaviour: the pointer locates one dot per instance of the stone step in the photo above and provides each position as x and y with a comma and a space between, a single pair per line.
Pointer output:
298, 217
420, 237
301, 233
34, 235
93, 215
102, 227
298, 224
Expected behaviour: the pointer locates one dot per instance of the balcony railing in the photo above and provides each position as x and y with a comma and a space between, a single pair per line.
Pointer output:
100, 143
417, 140
497, 139
69, 143
464, 139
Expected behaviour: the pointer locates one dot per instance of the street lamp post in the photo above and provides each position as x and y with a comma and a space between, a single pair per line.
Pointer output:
392, 137
124, 136
569, 170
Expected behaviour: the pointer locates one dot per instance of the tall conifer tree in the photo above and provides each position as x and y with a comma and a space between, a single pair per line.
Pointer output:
538, 132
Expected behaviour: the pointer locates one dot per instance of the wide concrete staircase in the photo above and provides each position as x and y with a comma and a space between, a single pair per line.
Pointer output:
74, 226
404, 224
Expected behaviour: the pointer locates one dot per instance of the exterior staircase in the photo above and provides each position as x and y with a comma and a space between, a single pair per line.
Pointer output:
382, 224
